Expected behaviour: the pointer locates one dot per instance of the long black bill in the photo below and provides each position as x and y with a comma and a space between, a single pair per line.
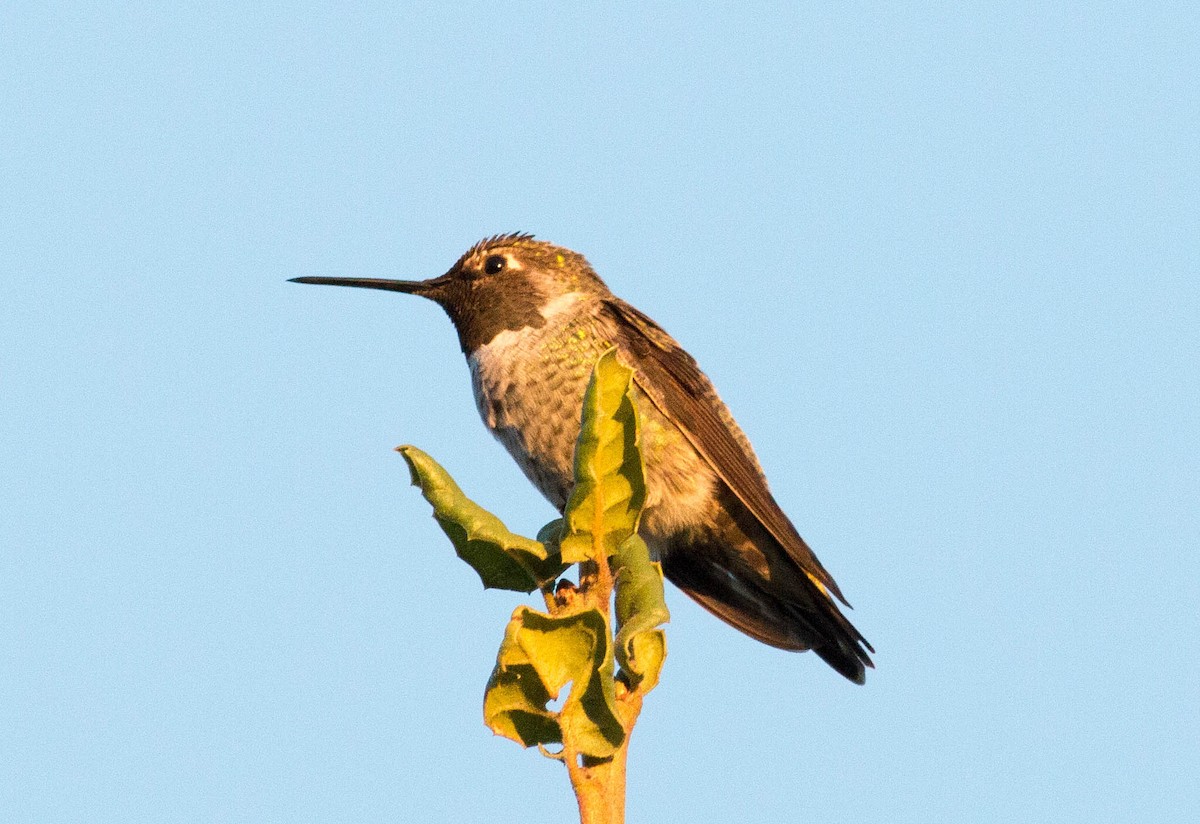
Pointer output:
425, 288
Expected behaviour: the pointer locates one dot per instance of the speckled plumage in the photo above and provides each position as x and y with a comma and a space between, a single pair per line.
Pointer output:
529, 386
532, 319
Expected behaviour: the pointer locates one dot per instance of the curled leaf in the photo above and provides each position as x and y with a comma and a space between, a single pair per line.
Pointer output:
541, 655
503, 559
610, 486
641, 608
514, 702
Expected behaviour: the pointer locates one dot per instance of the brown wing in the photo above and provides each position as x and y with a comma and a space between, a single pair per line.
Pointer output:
671, 379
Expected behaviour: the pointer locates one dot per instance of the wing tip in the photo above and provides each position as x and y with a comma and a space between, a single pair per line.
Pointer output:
851, 662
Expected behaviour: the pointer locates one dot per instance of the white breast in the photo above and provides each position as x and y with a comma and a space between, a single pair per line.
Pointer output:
494, 365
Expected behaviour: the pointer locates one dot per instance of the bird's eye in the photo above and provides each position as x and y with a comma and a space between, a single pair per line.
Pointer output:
494, 264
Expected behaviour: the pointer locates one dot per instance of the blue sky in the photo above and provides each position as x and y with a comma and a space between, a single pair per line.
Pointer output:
941, 262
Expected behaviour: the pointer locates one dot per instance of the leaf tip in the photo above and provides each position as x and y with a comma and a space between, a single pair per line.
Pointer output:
406, 451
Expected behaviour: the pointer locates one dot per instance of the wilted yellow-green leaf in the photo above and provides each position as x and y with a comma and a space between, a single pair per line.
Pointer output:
610, 485
514, 703
503, 559
641, 607
542, 655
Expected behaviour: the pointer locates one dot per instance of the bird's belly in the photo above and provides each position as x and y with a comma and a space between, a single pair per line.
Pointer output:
532, 403
680, 485
535, 414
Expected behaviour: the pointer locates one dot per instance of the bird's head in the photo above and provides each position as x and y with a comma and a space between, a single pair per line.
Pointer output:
504, 282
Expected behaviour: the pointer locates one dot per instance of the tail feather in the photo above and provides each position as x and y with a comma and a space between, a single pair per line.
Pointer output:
804, 618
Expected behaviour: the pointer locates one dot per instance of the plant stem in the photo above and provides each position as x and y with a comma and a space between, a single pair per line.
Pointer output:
599, 787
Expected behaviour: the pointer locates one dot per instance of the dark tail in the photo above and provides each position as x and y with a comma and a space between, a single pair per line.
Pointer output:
743, 576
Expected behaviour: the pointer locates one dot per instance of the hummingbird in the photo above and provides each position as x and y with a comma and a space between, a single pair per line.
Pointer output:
532, 319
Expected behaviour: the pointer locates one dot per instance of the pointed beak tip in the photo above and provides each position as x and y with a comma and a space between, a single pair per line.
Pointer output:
422, 288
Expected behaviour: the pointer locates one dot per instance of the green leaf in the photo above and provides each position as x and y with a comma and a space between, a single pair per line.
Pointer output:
540, 656
514, 703
577, 649
503, 559
610, 485
550, 535
641, 607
